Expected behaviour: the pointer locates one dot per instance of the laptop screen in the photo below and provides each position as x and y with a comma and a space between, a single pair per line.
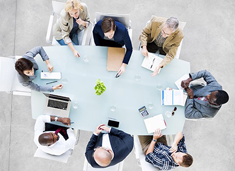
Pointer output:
53, 96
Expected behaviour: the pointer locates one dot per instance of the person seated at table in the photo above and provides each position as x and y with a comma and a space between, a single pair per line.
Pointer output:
204, 101
27, 66
163, 35
162, 156
70, 27
111, 33
108, 146
52, 139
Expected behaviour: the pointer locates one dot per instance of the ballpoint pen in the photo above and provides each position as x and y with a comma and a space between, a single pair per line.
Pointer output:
51, 82
152, 63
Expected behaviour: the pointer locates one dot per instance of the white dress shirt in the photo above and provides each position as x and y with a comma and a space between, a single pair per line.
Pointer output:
60, 146
106, 142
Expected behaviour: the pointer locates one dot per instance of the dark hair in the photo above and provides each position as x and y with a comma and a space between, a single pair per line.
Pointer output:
23, 64
108, 24
187, 160
221, 97
44, 139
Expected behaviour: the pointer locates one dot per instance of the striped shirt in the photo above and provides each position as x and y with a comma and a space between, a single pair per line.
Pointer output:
161, 155
159, 41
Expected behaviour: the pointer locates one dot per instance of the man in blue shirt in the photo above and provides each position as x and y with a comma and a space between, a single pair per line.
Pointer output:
165, 157
111, 33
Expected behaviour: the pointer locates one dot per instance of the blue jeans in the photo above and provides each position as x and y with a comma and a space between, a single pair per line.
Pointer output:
76, 38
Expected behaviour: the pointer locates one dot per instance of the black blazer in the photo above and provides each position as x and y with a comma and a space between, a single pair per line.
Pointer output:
121, 142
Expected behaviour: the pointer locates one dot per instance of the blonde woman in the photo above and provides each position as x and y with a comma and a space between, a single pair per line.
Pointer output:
74, 18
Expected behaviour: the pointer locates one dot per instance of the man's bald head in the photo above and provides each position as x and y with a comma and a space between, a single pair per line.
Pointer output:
47, 139
102, 157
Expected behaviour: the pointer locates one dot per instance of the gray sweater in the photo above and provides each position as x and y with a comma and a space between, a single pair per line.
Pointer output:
27, 80
194, 108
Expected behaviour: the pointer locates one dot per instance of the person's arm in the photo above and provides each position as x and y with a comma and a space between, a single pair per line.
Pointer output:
37, 50
36, 87
206, 76
96, 35
173, 50
157, 134
70, 142
177, 139
190, 111
85, 18
129, 48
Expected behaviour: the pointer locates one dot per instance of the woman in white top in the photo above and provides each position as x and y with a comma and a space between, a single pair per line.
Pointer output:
74, 18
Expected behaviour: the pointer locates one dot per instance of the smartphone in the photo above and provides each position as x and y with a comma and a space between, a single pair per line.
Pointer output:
113, 123
143, 111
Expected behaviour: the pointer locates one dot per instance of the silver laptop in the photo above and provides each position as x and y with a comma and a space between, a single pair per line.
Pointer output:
57, 105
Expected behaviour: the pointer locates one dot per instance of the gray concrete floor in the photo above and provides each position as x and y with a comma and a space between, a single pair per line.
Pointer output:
209, 43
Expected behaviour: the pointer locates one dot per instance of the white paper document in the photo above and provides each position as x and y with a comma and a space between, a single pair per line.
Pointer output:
151, 62
178, 82
173, 97
154, 123
51, 75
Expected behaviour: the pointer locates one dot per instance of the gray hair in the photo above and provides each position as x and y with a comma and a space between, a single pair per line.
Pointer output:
172, 23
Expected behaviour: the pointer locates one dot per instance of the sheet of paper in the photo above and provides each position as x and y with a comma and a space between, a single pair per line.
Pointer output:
178, 97
154, 123
167, 97
178, 82
151, 62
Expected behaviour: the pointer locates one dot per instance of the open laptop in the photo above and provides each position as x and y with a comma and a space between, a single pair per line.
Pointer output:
57, 105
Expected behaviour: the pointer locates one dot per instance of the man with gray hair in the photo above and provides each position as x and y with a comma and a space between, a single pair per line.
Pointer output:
108, 146
164, 35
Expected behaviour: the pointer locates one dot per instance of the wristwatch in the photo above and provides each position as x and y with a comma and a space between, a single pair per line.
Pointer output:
56, 118
154, 140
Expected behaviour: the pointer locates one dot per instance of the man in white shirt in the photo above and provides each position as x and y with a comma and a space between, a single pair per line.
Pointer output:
52, 142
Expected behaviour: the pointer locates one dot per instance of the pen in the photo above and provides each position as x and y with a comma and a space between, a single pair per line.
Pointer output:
72, 122
152, 63
51, 82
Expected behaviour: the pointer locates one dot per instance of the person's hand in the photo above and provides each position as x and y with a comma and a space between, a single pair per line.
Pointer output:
157, 134
99, 129
49, 67
122, 69
76, 54
157, 70
190, 92
173, 148
185, 83
80, 21
105, 128
65, 121
57, 87
144, 51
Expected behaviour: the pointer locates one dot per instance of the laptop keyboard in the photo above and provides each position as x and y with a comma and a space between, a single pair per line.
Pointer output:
57, 104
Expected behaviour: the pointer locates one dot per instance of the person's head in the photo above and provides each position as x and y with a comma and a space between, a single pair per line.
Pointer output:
169, 26
103, 156
218, 97
73, 7
47, 139
24, 67
183, 159
108, 27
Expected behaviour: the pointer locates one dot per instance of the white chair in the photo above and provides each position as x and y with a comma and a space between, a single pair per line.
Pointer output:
122, 18
57, 8
62, 158
8, 77
140, 156
88, 167
181, 25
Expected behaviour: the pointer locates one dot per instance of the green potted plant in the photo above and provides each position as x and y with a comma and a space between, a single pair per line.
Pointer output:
100, 87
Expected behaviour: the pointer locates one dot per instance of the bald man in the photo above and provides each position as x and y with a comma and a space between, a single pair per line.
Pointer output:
108, 146
53, 142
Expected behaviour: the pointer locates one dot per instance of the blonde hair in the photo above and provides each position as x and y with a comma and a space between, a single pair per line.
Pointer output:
73, 4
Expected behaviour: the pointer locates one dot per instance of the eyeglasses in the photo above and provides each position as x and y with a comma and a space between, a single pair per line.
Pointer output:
163, 32
173, 112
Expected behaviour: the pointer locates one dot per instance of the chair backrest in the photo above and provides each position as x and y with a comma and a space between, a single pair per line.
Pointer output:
117, 167
62, 158
122, 18
57, 7
7, 73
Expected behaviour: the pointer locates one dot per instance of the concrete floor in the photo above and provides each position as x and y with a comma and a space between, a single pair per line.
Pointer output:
209, 43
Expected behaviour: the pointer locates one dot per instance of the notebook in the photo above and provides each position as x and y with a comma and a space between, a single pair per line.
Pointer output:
178, 82
173, 97
151, 62
115, 57
154, 123
51, 75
